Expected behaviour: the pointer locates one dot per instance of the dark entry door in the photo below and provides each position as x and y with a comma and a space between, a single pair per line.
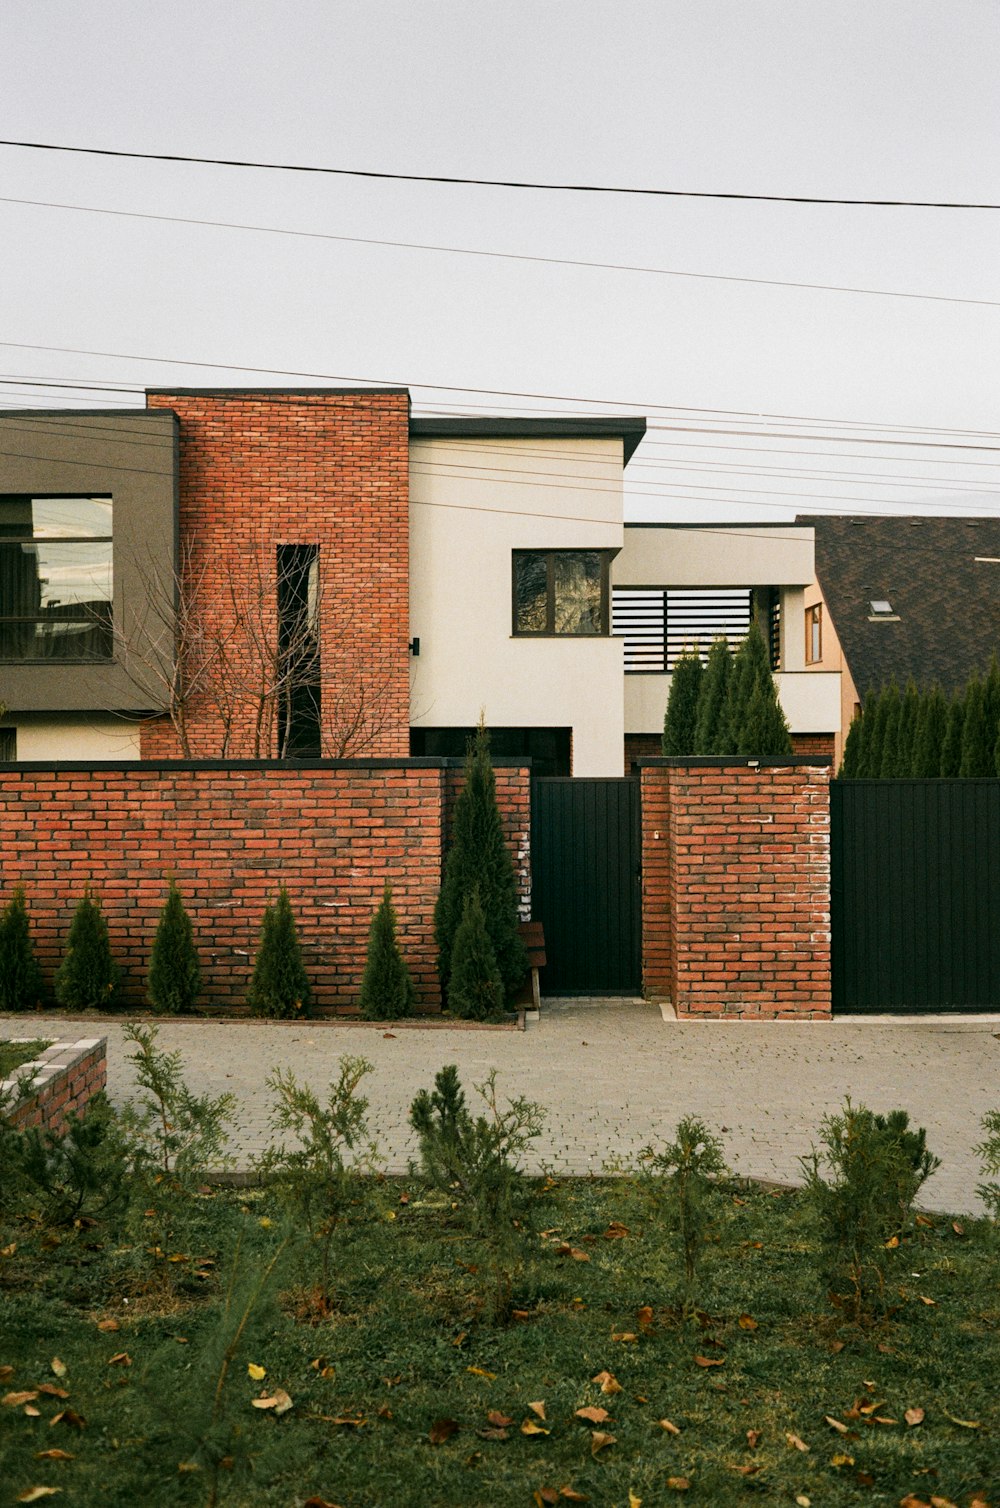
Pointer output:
585, 853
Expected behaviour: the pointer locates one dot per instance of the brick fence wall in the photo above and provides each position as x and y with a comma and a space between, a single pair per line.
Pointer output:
63, 1079
736, 887
231, 834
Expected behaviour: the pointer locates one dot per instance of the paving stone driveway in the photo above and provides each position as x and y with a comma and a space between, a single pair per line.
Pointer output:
613, 1076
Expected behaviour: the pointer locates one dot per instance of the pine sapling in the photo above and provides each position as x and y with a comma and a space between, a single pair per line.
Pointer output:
683, 1175
386, 987
88, 976
20, 976
174, 972
280, 985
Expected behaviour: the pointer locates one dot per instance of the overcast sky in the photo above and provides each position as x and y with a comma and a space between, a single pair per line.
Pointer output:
860, 100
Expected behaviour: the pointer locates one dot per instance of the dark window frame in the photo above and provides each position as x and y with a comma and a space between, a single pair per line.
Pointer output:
550, 556
90, 620
8, 744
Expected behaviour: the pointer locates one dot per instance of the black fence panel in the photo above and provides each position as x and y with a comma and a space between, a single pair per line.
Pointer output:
915, 895
585, 885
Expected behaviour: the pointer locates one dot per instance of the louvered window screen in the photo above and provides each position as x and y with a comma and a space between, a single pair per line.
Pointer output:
659, 623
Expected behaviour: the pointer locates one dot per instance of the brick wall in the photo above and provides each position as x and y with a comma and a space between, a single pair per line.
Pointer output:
260, 469
232, 835
808, 744
63, 1079
736, 888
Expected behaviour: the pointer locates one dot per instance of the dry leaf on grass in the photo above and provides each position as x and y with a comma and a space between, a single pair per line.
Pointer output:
482, 1372
709, 1361
529, 1427
58, 1367
51, 1391
572, 1496
493, 1434
753, 1438
609, 1383
70, 1417
14, 1400
35, 1494
931, 1303
841, 1460
599, 1440
538, 1408
277, 1402
914, 1416
794, 1441
836, 1424
498, 1420
108, 1324
120, 1359
616, 1231
54, 1455
669, 1426
442, 1430
258, 1373
592, 1415
678, 1484
747, 1322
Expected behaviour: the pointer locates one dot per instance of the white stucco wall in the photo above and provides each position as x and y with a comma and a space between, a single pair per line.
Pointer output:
728, 555
810, 701
473, 502
47, 739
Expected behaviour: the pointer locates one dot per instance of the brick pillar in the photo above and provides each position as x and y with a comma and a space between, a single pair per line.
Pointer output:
736, 887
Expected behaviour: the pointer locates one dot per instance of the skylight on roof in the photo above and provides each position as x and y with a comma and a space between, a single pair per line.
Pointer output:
880, 611
881, 606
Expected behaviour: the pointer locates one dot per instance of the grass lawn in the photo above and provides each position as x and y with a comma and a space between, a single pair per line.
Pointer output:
120, 1341
14, 1054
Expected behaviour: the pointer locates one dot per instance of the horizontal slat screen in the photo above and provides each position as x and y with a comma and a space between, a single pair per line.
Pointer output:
658, 624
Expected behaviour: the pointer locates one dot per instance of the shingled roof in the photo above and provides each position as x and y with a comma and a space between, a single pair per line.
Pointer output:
941, 577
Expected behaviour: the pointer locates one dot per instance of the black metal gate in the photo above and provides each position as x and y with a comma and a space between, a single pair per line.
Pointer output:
915, 895
585, 856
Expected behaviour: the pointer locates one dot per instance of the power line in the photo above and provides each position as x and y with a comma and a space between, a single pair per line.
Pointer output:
502, 256
508, 183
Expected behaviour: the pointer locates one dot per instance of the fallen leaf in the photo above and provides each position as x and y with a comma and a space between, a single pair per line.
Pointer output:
482, 1372
572, 1496
442, 1430
35, 1494
839, 1460
538, 1408
258, 1373
5, 1373
54, 1455
747, 1322
14, 1400
388, 1034
633, 1501
965, 1423
958, 1229
600, 1441
931, 1303
678, 1484
836, 1346
593, 1415
493, 1434
926, 1221
864, 1479
51, 1391
881, 1419
58, 1367
938, 1502
794, 1441
802, 1500
871, 1408
912, 1501
747, 1471
278, 1401
892, 1243
624, 1335
545, 1496
108, 1324
529, 1427
753, 1438
645, 1316
498, 1420
836, 1424
8, 1251
31, 1412
616, 1231
70, 1417
348, 1421
669, 1426
709, 1361
120, 1359
609, 1383
384, 1411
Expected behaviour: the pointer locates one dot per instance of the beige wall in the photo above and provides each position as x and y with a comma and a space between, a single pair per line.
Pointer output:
731, 555
473, 502
832, 659
48, 739
811, 703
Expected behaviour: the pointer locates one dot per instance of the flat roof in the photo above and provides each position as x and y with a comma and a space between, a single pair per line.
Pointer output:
626, 428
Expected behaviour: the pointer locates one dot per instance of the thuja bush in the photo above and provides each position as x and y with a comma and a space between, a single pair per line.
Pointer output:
88, 976
989, 1153
280, 986
680, 1179
681, 715
712, 698
475, 990
174, 972
387, 991
875, 1166
474, 1159
20, 976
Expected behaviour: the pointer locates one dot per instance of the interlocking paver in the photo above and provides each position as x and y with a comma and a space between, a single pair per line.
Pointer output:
614, 1076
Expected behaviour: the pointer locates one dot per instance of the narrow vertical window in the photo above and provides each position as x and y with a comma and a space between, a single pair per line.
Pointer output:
814, 634
298, 652
8, 744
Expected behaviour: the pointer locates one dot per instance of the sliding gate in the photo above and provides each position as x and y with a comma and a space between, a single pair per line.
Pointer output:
585, 866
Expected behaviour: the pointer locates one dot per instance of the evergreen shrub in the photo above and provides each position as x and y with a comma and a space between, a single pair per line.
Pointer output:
88, 977
387, 991
174, 979
712, 698
20, 976
280, 985
682, 706
475, 989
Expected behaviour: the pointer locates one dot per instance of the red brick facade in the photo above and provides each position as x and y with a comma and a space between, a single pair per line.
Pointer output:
68, 1084
262, 469
232, 835
736, 888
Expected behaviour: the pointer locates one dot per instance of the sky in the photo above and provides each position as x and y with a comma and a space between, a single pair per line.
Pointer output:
762, 399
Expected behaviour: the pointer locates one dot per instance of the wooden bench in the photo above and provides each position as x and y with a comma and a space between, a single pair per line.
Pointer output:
533, 937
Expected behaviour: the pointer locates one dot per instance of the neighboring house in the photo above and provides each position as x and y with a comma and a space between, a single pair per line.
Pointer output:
901, 598
250, 573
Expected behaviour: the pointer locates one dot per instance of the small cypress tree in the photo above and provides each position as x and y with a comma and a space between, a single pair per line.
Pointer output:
750, 664
876, 708
87, 978
475, 990
993, 693
386, 987
20, 976
479, 858
976, 758
890, 760
280, 985
174, 972
951, 749
712, 697
765, 729
850, 762
906, 736
682, 706
931, 724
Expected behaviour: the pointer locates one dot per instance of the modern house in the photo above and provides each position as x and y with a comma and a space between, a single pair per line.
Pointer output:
252, 573
902, 598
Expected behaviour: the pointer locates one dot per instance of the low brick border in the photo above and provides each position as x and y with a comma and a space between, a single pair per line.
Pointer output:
63, 1079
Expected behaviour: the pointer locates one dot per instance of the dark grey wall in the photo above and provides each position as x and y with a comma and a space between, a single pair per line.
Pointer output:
130, 454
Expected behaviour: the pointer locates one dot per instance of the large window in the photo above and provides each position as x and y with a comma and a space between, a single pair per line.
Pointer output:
55, 578
561, 592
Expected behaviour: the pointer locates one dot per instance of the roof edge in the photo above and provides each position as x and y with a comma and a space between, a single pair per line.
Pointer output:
628, 428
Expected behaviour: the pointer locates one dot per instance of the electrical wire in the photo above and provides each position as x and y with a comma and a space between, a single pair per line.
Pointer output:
504, 256
507, 183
